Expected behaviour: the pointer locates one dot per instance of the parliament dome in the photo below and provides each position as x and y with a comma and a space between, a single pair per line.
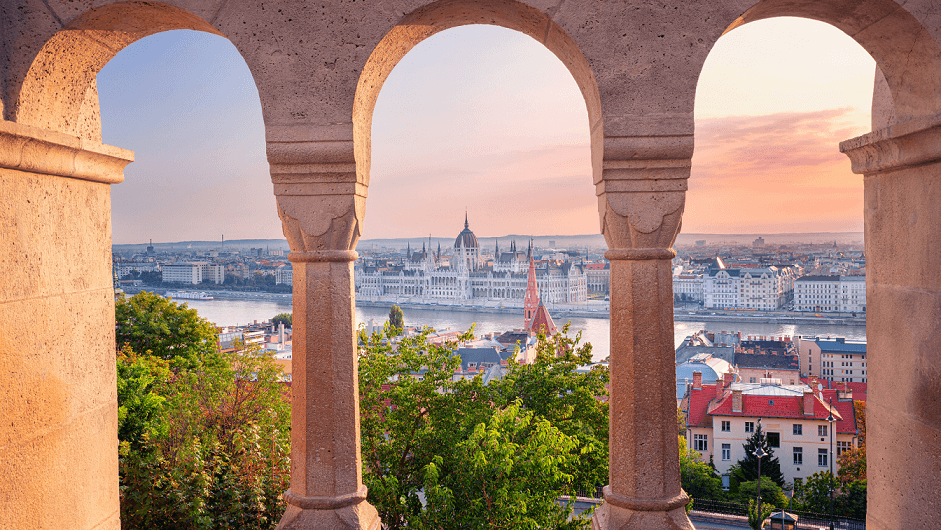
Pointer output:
466, 237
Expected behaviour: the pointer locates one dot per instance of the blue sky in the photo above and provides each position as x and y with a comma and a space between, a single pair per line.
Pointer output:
487, 119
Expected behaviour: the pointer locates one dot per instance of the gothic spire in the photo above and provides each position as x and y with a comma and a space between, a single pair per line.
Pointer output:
466, 226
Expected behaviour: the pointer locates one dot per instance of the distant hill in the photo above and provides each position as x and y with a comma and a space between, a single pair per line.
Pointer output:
239, 244
579, 241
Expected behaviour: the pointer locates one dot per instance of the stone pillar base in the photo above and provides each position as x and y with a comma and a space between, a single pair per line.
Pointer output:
322, 513
621, 513
610, 517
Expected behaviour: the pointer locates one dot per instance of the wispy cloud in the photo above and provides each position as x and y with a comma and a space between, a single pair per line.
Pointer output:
775, 173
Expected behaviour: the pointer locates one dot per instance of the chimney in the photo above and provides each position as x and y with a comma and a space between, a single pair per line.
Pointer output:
719, 388
808, 402
697, 380
727, 379
736, 401
281, 332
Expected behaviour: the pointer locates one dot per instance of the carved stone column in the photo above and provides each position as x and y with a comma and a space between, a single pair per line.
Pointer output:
902, 168
641, 194
321, 204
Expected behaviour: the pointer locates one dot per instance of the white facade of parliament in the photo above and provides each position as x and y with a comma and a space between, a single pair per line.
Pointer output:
426, 277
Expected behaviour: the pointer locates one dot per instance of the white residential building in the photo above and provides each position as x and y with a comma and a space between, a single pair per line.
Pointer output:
759, 288
830, 294
284, 275
688, 287
123, 269
190, 273
722, 416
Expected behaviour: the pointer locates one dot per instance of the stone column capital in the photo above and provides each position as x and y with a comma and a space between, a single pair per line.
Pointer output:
320, 191
908, 144
642, 191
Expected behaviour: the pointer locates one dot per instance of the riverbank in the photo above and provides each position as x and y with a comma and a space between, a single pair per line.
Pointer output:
679, 314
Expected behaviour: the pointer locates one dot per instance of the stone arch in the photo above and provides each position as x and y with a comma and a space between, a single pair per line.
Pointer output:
59, 91
905, 51
446, 14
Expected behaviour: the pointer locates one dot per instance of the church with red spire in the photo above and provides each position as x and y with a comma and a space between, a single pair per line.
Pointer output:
536, 317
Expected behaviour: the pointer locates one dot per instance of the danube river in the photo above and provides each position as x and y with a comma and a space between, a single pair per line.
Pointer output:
225, 312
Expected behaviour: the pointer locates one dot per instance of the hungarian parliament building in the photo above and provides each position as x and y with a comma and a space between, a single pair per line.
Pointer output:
466, 277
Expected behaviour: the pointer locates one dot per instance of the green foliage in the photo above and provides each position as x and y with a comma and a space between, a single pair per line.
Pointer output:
204, 444
148, 323
757, 514
495, 455
852, 464
849, 498
554, 389
699, 479
285, 318
142, 385
852, 499
813, 493
771, 493
396, 318
512, 467
747, 468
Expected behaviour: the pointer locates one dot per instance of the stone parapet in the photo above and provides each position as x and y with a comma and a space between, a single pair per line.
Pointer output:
35, 150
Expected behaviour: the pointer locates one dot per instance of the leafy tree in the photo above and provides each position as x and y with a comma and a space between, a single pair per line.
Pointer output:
220, 456
396, 318
852, 465
512, 466
285, 318
757, 514
771, 493
474, 453
747, 469
149, 323
142, 385
699, 479
570, 399
852, 499
814, 493
859, 410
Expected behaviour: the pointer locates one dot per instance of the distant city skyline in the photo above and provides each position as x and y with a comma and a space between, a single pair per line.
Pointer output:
462, 122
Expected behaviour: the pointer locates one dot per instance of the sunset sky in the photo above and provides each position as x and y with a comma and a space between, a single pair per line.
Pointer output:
486, 119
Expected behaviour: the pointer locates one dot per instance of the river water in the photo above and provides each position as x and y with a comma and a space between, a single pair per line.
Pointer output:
223, 312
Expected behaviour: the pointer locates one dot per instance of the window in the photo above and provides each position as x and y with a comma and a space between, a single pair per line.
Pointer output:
841, 447
749, 426
798, 456
726, 451
798, 429
821, 430
726, 426
822, 458
774, 439
701, 442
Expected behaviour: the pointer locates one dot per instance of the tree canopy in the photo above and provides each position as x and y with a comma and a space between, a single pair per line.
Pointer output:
283, 318
485, 456
396, 318
148, 323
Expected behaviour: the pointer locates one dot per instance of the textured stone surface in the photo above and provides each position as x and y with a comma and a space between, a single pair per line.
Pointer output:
58, 437
319, 68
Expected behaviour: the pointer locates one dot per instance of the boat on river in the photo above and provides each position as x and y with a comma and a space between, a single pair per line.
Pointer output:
189, 295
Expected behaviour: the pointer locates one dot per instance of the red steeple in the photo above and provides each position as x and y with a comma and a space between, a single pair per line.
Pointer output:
531, 302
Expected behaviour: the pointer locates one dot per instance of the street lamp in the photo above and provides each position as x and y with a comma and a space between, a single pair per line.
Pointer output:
830, 421
759, 453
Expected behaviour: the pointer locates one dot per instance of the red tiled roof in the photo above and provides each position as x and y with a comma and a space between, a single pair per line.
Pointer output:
702, 405
699, 405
